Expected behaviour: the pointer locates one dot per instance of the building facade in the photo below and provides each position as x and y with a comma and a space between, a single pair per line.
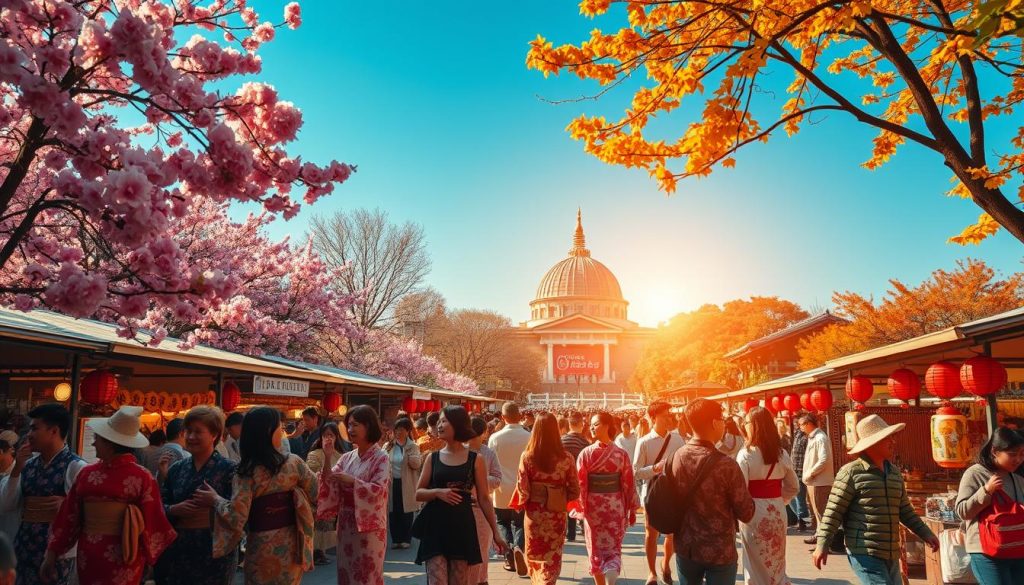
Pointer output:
581, 319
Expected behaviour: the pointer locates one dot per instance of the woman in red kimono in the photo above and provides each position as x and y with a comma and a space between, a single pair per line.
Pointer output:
112, 496
546, 483
608, 499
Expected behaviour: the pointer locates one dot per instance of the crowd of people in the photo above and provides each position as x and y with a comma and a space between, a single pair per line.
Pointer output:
191, 503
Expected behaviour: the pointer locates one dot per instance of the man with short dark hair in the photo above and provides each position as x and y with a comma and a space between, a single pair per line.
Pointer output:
508, 445
818, 473
232, 430
428, 442
653, 452
37, 486
717, 497
310, 431
574, 442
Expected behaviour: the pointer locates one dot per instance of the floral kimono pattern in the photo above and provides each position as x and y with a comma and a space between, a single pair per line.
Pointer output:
545, 529
764, 537
272, 557
362, 511
101, 558
189, 560
607, 514
39, 479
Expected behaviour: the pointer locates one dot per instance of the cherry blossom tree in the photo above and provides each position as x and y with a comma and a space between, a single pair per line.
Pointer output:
112, 139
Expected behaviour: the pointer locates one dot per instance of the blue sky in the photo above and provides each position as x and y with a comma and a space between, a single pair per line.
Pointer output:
434, 104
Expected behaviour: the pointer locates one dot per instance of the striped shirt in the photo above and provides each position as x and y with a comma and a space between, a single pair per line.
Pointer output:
574, 443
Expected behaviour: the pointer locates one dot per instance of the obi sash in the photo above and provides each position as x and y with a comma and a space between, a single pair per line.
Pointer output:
197, 520
272, 511
604, 483
113, 518
548, 495
41, 509
765, 489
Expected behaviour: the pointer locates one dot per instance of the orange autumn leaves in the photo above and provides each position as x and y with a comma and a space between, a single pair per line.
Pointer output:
719, 54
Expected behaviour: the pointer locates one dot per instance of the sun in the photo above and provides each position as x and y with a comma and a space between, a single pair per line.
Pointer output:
654, 307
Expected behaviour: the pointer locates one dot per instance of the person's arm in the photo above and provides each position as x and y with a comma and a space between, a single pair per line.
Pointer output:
412, 456
742, 503
911, 520
972, 497
820, 447
10, 493
790, 484
641, 470
65, 528
481, 481
838, 502
572, 483
494, 475
315, 460
157, 533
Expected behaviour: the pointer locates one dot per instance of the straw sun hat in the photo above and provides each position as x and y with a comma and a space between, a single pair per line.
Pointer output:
873, 429
121, 428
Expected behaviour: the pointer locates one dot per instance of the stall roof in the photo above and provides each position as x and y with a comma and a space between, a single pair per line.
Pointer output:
50, 328
956, 336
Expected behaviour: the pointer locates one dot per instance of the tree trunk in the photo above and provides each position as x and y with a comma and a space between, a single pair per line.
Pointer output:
999, 207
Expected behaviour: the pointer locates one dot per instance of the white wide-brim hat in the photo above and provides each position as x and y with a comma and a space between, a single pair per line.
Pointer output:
872, 429
121, 428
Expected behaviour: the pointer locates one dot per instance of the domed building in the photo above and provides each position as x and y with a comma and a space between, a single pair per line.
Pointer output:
581, 318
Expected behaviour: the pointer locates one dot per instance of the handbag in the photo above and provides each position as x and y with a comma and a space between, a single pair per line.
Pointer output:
1001, 527
664, 509
954, 558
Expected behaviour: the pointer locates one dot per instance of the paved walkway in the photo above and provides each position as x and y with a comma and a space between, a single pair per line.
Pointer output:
400, 569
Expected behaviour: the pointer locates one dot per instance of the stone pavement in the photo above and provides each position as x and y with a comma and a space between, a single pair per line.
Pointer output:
400, 569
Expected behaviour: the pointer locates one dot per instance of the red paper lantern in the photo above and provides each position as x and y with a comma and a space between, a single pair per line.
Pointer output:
904, 385
982, 375
99, 387
805, 401
230, 396
821, 399
859, 389
791, 402
437, 404
409, 405
777, 405
750, 404
331, 401
943, 380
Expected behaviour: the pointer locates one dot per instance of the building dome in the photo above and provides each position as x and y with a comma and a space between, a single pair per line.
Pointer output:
579, 284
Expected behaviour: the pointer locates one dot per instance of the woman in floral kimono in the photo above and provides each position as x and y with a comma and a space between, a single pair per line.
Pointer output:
608, 499
110, 496
189, 560
273, 495
547, 481
772, 482
356, 491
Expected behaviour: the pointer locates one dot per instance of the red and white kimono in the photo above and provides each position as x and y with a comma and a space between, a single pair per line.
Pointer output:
362, 511
544, 527
94, 515
607, 514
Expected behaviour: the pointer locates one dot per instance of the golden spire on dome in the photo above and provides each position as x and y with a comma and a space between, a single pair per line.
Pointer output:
579, 239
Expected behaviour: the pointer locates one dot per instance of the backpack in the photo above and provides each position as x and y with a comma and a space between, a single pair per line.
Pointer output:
1001, 527
664, 507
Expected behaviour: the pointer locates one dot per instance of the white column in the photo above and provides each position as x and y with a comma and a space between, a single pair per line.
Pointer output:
607, 366
549, 371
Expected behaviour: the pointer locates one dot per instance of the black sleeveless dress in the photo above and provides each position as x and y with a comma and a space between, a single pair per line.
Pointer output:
450, 531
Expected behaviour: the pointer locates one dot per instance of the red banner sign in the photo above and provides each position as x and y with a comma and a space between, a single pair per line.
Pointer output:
582, 360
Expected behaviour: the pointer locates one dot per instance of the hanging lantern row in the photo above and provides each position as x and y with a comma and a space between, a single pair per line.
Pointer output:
412, 405
750, 404
162, 401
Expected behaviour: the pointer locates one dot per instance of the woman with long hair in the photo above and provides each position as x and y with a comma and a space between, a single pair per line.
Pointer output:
990, 478
355, 490
772, 482
272, 495
327, 450
452, 478
546, 483
732, 441
608, 499
406, 462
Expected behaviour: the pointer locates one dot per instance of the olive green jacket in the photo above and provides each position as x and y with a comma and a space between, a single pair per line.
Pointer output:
869, 505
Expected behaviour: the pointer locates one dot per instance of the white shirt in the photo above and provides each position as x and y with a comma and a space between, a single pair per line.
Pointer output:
627, 444
508, 444
647, 449
818, 469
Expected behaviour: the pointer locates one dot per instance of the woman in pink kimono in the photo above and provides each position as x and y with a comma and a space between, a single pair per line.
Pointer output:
356, 491
608, 499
